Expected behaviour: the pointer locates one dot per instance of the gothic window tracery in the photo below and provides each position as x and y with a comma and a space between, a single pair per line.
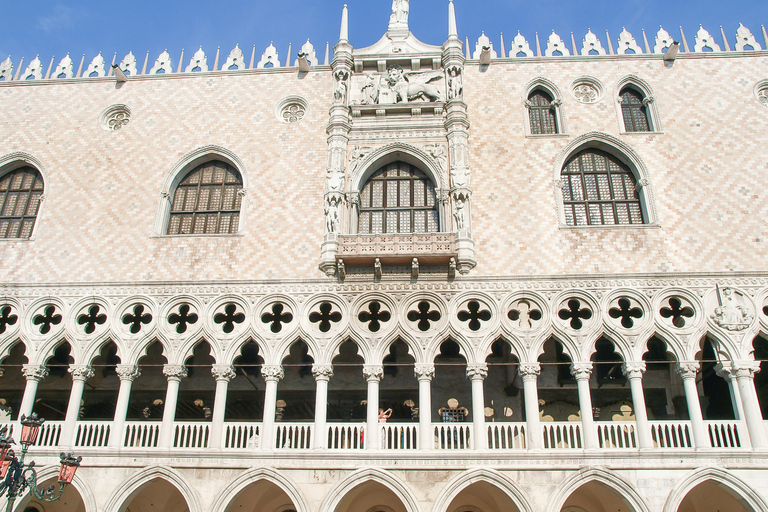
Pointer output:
398, 198
542, 113
21, 191
207, 201
635, 111
599, 190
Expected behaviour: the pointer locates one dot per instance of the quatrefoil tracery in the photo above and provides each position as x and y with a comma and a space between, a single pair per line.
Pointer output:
677, 312
137, 318
474, 315
574, 314
229, 318
325, 317
277, 317
626, 312
183, 318
7, 318
424, 315
374, 316
526, 313
47, 318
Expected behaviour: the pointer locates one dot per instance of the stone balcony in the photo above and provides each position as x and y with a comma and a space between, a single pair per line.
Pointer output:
430, 248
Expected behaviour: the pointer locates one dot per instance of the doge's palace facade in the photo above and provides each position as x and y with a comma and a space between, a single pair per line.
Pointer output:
410, 278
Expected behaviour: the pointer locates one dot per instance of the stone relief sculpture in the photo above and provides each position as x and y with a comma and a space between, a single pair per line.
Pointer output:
437, 151
458, 215
335, 180
400, 82
340, 91
732, 312
332, 215
356, 156
400, 9
370, 91
455, 83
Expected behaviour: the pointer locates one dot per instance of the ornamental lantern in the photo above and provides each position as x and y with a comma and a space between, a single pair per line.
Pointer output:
5, 444
69, 465
6, 463
30, 427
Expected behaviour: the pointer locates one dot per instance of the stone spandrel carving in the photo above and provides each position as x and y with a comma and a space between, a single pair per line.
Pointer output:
6, 70
64, 68
663, 41
555, 46
341, 88
235, 60
356, 156
270, 58
199, 61
520, 46
592, 44
455, 83
34, 70
96, 67
705, 40
733, 311
628, 44
162, 64
744, 39
128, 64
437, 151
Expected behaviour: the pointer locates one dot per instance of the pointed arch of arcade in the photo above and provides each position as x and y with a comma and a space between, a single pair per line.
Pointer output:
719, 476
393, 152
623, 488
81, 485
489, 476
125, 491
254, 476
403, 493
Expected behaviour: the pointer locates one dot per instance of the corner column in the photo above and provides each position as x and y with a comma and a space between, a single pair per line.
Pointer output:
322, 374
477, 373
127, 374
174, 373
634, 372
272, 375
34, 374
223, 373
80, 374
687, 371
582, 372
745, 377
373, 375
530, 373
425, 373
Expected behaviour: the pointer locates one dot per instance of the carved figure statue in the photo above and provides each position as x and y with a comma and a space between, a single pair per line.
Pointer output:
332, 216
400, 10
455, 83
730, 314
340, 92
458, 215
370, 92
399, 82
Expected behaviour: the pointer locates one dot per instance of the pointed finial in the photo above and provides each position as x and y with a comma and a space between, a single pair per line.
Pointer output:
453, 32
344, 34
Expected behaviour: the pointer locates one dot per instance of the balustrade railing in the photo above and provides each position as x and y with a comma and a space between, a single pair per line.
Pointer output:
671, 434
241, 435
506, 436
50, 435
562, 435
399, 436
191, 434
346, 436
295, 436
93, 434
614, 434
724, 434
452, 436
141, 434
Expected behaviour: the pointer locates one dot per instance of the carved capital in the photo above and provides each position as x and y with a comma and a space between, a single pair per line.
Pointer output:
582, 371
642, 184
424, 371
34, 372
556, 102
272, 373
530, 370
633, 369
128, 372
687, 369
322, 371
175, 371
477, 371
648, 100
745, 369
373, 372
223, 372
528, 103
81, 372
560, 184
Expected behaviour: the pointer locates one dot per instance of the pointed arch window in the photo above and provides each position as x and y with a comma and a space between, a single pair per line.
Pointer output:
598, 189
635, 111
20, 193
398, 198
207, 201
542, 113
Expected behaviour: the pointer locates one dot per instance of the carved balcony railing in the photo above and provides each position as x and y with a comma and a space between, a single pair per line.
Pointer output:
614, 434
346, 436
141, 434
50, 435
92, 434
399, 436
191, 434
453, 436
671, 434
293, 436
724, 434
241, 435
428, 248
506, 436
562, 435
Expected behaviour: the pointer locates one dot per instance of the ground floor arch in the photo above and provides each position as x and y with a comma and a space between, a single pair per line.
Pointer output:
596, 490
152, 489
157, 494
370, 490
714, 489
70, 501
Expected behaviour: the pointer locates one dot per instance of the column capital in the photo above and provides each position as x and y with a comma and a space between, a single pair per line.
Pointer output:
745, 369
477, 371
225, 372
424, 371
373, 372
128, 372
272, 373
633, 369
322, 371
175, 372
34, 372
81, 372
530, 371
687, 369
581, 371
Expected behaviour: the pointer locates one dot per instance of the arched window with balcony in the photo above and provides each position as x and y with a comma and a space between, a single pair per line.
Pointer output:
398, 198
20, 193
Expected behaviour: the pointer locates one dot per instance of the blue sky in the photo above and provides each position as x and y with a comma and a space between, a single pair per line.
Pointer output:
50, 27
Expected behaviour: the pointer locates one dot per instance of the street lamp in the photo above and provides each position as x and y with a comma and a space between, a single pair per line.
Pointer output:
15, 477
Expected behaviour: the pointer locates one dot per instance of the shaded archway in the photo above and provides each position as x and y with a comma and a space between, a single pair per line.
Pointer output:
197, 390
760, 344
261, 495
245, 393
296, 391
482, 496
12, 382
714, 391
597, 497
70, 501
503, 388
712, 495
148, 390
399, 389
101, 390
157, 494
558, 397
347, 389
663, 390
370, 497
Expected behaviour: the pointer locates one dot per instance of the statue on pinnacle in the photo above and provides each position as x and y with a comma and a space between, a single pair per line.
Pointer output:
400, 10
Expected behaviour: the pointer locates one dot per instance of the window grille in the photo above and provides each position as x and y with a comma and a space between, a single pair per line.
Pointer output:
541, 112
599, 190
207, 201
398, 199
20, 193
634, 111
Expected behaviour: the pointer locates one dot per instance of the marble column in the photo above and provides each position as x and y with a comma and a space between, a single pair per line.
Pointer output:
425, 373
687, 371
80, 374
34, 374
582, 372
373, 375
174, 373
127, 374
322, 374
223, 373
530, 374
745, 377
634, 371
477, 373
272, 375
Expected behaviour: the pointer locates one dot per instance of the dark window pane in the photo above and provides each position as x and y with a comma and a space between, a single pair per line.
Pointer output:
633, 111
20, 192
541, 113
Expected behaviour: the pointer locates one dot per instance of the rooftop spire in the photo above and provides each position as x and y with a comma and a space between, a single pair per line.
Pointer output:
344, 34
453, 32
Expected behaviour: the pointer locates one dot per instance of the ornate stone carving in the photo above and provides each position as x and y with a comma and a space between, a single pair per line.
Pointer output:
663, 41
687, 369
477, 371
293, 112
341, 88
332, 220
128, 64
270, 58
520, 46
81, 372
525, 313
633, 369
34, 372
762, 95
175, 371
128, 372
235, 59
529, 370
733, 311
555, 45
745, 38
6, 70
592, 44
63, 69
745, 369
400, 10
459, 213
424, 371
96, 67
705, 40
224, 372
35, 70
585, 92
198, 61
369, 93
412, 86
483, 43
373, 372
272, 372
356, 156
455, 83
627, 43
115, 117
162, 64
322, 371
581, 371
